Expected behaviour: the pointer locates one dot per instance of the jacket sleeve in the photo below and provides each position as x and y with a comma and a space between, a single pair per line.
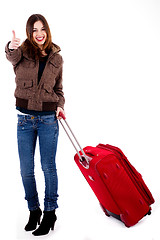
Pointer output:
14, 56
58, 88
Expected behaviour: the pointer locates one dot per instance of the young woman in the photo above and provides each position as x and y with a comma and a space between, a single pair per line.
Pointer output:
39, 100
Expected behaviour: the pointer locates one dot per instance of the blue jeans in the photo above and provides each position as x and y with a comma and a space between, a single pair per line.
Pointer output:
47, 130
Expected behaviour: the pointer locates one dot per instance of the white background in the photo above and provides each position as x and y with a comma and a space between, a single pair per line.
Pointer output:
111, 52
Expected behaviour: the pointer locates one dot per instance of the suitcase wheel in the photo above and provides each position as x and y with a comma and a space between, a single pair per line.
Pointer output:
149, 212
105, 210
108, 213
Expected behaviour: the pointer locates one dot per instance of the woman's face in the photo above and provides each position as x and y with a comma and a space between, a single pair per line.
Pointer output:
39, 33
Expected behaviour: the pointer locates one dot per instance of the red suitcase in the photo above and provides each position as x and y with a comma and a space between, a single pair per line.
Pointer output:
118, 186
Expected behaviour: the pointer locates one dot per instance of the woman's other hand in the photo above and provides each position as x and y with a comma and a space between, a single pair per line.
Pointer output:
59, 109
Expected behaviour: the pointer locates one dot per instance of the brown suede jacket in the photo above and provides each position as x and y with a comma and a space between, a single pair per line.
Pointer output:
46, 95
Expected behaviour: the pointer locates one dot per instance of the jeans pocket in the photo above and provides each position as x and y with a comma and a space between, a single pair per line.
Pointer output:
21, 120
49, 120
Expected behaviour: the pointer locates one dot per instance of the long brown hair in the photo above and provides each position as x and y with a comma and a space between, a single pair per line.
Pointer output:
29, 45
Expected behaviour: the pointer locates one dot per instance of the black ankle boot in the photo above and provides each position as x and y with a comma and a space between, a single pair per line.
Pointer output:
34, 218
47, 223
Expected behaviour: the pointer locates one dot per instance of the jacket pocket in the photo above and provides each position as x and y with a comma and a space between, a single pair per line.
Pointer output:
55, 64
25, 83
48, 93
47, 88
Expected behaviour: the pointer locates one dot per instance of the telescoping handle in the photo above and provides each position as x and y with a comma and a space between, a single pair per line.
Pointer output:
84, 159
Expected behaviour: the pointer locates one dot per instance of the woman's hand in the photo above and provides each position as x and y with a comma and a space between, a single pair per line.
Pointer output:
14, 44
59, 109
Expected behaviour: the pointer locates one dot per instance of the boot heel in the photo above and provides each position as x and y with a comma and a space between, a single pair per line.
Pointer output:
39, 220
53, 224
52, 228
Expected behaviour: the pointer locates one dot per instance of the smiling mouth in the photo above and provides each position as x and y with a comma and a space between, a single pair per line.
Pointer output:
40, 39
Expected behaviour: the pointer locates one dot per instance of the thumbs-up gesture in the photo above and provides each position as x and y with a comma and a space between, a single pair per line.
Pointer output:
14, 44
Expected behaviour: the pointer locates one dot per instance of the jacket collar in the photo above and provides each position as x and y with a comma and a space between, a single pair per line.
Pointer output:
55, 49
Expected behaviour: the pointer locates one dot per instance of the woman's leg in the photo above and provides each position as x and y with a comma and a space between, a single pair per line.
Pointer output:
26, 136
48, 136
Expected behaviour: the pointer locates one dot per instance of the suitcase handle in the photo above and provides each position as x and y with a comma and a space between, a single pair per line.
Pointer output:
84, 159
62, 115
